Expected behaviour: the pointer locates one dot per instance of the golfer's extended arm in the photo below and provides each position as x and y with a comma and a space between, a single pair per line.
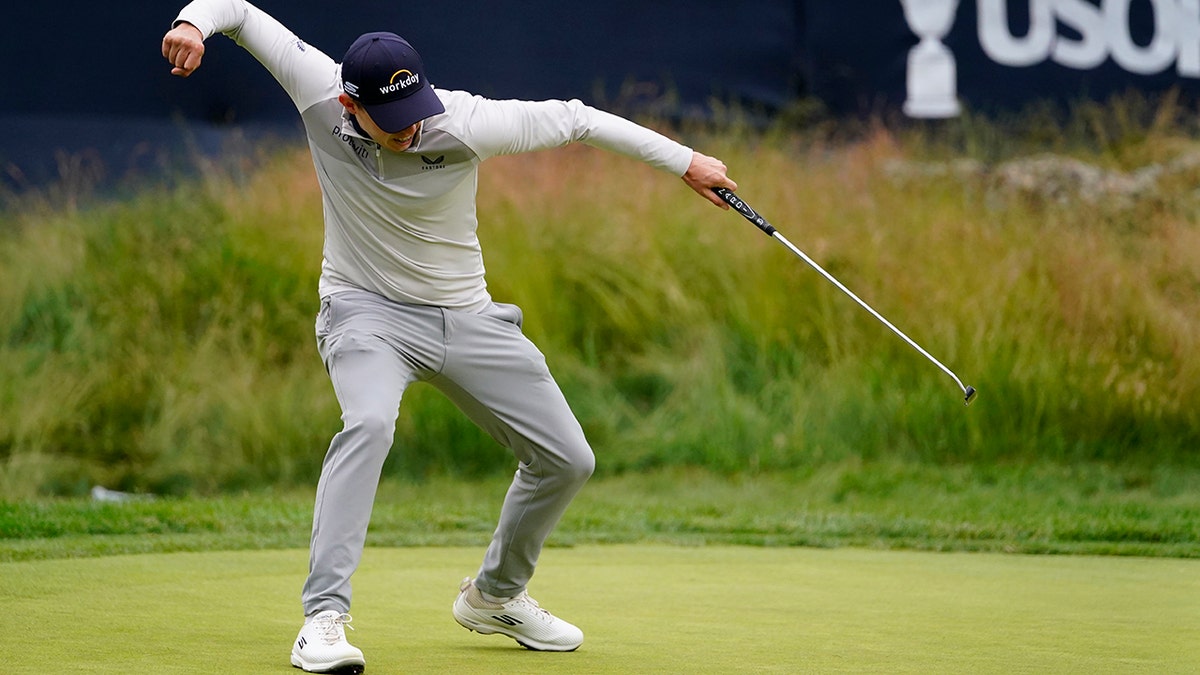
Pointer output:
508, 127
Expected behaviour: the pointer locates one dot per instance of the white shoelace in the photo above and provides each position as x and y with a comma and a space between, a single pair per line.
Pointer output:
523, 599
533, 605
329, 627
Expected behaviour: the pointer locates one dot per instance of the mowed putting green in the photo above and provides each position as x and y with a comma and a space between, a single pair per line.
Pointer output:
644, 609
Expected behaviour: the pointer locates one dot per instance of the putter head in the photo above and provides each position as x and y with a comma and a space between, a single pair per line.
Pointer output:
969, 395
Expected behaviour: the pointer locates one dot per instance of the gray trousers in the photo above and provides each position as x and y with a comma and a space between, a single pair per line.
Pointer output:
374, 349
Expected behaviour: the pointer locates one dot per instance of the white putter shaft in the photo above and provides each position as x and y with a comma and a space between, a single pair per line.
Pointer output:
750, 214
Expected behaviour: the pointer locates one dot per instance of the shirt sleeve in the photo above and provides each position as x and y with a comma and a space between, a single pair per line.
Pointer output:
305, 73
508, 127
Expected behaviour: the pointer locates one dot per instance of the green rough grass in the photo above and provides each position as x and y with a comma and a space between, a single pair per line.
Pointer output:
644, 609
1042, 509
163, 343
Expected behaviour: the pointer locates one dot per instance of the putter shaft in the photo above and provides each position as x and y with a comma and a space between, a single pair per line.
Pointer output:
753, 216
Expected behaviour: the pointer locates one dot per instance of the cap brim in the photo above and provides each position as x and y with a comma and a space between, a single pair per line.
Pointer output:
401, 114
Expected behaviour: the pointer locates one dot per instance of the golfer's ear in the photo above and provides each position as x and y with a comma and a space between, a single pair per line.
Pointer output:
348, 102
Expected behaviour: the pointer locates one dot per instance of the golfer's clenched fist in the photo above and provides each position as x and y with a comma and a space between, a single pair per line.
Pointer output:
183, 46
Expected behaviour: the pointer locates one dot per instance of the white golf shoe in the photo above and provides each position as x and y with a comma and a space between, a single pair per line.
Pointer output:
321, 646
520, 618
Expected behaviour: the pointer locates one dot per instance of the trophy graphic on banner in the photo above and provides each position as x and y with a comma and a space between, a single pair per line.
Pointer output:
932, 75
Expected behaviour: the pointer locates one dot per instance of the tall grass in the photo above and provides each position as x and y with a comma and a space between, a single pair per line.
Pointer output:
164, 343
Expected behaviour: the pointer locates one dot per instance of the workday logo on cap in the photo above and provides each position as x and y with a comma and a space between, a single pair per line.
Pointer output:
400, 80
386, 76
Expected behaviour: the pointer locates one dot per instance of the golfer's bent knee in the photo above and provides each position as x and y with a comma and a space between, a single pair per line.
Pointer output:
579, 469
374, 431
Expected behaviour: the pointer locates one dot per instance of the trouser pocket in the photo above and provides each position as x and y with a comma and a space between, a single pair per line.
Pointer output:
506, 312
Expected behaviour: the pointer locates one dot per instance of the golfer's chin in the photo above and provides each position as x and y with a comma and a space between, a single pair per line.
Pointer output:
398, 144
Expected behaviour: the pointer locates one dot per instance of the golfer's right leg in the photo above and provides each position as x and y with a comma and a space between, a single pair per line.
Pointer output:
369, 377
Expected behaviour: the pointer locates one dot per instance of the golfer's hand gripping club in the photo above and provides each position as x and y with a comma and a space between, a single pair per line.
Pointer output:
761, 223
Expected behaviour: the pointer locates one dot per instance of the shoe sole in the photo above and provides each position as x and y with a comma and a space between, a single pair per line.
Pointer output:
483, 629
339, 669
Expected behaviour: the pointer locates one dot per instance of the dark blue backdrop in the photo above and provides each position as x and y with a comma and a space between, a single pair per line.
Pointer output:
82, 77
86, 80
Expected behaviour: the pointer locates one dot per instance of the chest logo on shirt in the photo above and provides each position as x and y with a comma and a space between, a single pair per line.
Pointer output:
438, 162
350, 141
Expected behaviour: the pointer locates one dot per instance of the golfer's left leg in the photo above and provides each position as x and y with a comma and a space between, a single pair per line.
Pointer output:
500, 380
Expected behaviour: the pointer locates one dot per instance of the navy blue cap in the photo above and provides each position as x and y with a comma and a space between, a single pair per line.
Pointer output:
386, 75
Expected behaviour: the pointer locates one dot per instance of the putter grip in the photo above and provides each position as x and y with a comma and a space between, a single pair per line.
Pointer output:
743, 208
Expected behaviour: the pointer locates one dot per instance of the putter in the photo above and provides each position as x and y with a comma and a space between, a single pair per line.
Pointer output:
750, 214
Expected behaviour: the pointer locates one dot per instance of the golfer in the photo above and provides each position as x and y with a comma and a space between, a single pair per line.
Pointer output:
403, 300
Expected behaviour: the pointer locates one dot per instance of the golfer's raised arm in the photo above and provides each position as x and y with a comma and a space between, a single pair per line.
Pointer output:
303, 71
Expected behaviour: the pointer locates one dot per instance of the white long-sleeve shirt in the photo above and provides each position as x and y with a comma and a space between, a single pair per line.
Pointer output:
403, 225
